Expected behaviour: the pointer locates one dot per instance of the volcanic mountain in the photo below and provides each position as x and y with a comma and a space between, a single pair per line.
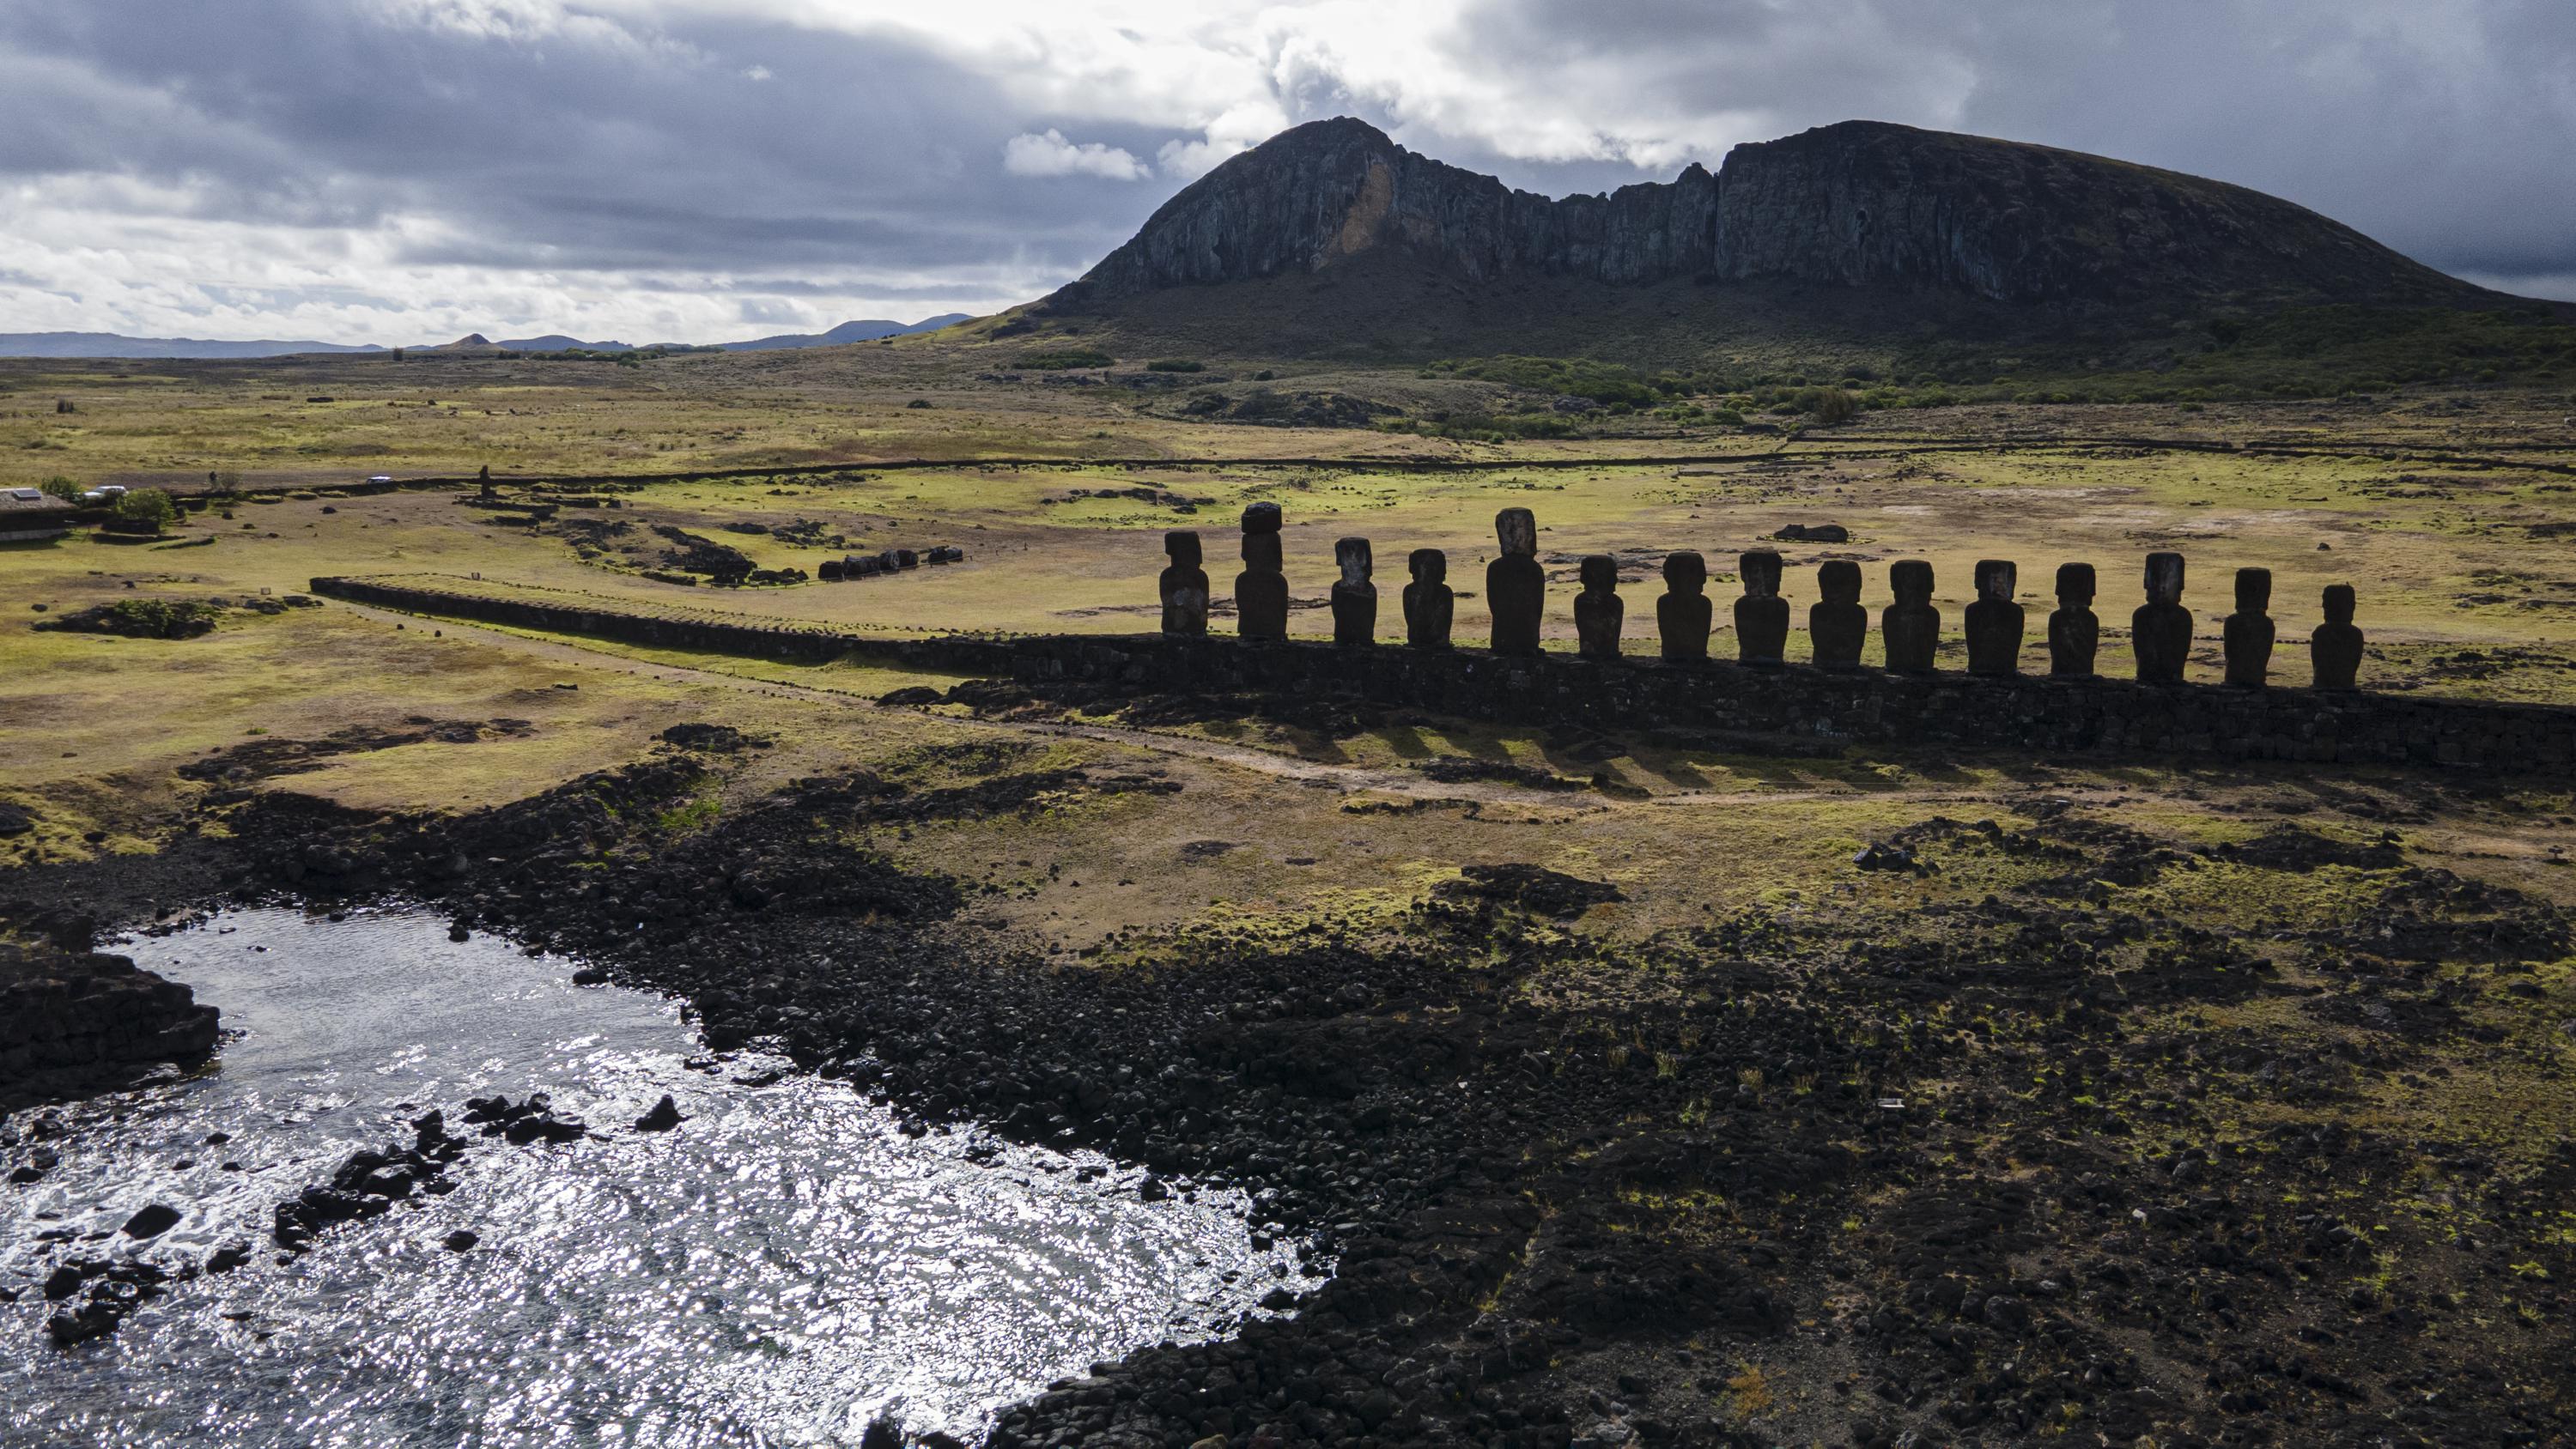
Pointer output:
1332, 228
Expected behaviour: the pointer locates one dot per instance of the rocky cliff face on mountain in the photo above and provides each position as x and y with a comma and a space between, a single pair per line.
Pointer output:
1859, 204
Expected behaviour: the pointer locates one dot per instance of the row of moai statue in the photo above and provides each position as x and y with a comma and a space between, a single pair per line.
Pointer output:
1837, 624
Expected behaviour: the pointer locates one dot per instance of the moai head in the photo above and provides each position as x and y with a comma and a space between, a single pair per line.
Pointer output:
1760, 571
2075, 585
1685, 572
1262, 518
1996, 578
1839, 581
1183, 547
1600, 572
1910, 579
1261, 523
2253, 590
2164, 578
1353, 555
2339, 603
1429, 565
1517, 528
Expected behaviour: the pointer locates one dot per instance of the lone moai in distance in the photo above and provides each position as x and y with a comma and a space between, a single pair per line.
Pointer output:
1761, 615
1515, 586
1994, 622
1354, 595
2074, 635
2247, 634
1261, 590
2160, 631
1910, 628
2334, 650
1836, 622
1429, 606
1598, 610
1682, 615
1184, 584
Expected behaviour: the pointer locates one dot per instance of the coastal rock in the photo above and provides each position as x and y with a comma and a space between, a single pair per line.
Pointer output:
67, 1016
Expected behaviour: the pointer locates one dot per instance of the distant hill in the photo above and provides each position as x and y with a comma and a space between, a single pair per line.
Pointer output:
112, 345
109, 344
1330, 237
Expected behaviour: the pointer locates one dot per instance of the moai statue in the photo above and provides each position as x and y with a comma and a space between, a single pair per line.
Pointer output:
482, 476
1261, 590
2335, 648
1184, 585
1910, 628
2160, 631
2248, 631
2074, 635
1598, 610
1354, 596
1682, 614
1428, 604
1994, 622
1515, 586
1761, 615
1836, 623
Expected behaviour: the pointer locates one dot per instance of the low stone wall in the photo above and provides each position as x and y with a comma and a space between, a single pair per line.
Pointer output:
2093, 717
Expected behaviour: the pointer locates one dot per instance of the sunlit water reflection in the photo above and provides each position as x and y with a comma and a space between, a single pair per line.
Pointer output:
779, 1270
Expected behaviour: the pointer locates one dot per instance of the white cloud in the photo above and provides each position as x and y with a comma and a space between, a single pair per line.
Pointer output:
1050, 154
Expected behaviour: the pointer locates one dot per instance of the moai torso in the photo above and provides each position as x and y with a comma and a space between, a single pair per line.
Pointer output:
1515, 586
2247, 634
1184, 585
2335, 648
1682, 615
1429, 606
2160, 631
1836, 623
1354, 595
2074, 635
1261, 590
1761, 615
1598, 610
1910, 628
1994, 622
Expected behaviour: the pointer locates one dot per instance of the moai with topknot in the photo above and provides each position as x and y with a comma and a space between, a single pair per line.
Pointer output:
1184, 585
1836, 623
1682, 615
1354, 595
1515, 586
1429, 606
1994, 623
1910, 628
2335, 648
2160, 631
2074, 635
1761, 615
2248, 633
1598, 610
1261, 590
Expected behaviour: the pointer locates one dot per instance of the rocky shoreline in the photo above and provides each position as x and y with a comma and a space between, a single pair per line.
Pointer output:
77, 1021
1769, 1181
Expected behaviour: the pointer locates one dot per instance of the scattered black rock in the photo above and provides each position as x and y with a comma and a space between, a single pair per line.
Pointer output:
1533, 888
460, 1241
1878, 856
152, 1221
15, 820
520, 1123
1814, 533
664, 1116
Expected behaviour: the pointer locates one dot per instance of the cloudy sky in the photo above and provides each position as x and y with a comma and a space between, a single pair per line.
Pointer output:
696, 170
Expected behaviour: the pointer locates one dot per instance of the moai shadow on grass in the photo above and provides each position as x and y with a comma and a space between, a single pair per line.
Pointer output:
1994, 622
1682, 615
1184, 585
1354, 594
2248, 633
2160, 631
1261, 590
1515, 585
2074, 634
2334, 650
1598, 610
1429, 606
1761, 615
1910, 628
1836, 623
